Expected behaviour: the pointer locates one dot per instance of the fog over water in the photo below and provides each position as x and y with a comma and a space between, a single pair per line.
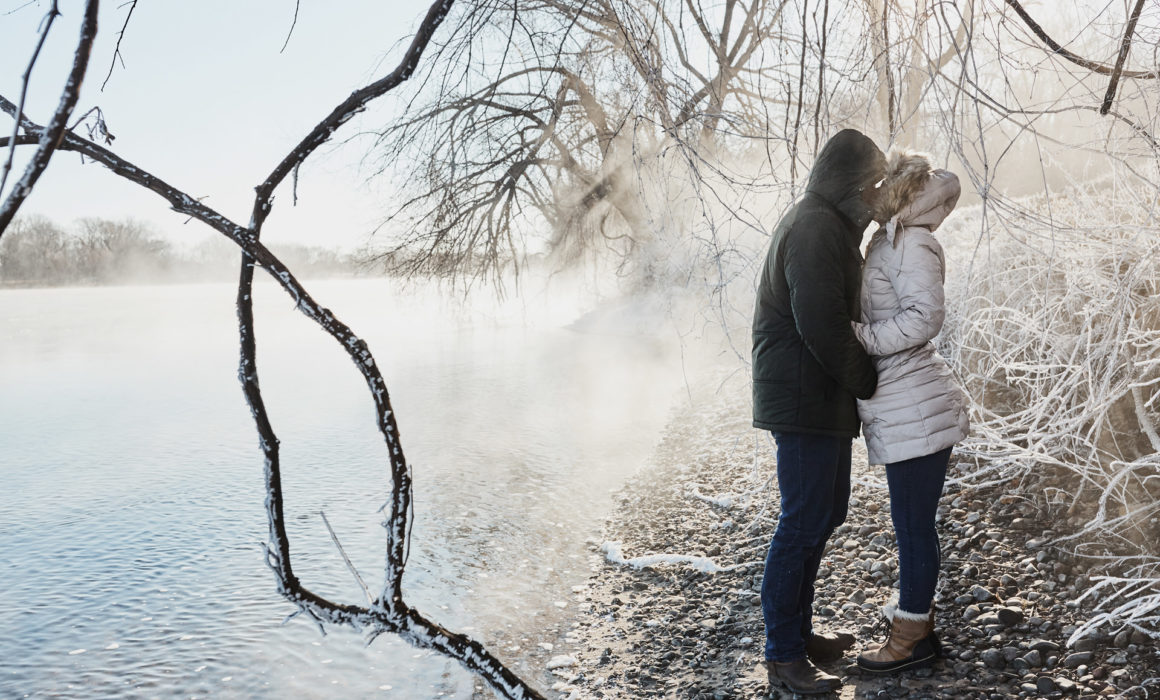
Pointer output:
132, 513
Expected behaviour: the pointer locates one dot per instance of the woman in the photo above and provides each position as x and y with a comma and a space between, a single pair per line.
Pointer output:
918, 411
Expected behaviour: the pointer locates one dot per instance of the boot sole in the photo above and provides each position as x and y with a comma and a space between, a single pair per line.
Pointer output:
896, 667
782, 684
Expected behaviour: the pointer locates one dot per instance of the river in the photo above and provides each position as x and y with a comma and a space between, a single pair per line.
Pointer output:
132, 515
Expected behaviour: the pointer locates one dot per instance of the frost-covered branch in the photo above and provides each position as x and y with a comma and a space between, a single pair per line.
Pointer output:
49, 137
348, 108
49, 18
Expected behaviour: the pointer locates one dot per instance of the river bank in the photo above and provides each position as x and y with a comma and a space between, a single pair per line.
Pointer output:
673, 609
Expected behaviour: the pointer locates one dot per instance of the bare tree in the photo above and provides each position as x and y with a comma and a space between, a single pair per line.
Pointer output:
35, 251
551, 132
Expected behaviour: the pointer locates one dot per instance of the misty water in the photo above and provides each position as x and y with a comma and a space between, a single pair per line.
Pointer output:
131, 513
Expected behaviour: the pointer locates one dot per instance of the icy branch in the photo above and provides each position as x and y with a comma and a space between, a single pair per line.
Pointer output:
50, 137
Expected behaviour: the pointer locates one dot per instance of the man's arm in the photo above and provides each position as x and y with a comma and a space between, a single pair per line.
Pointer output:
813, 271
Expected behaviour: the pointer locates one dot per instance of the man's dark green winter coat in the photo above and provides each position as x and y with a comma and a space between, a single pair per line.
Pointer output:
808, 366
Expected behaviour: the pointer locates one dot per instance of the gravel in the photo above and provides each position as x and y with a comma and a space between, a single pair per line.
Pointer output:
1005, 608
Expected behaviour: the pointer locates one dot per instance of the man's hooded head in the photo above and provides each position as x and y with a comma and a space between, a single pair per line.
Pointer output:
848, 165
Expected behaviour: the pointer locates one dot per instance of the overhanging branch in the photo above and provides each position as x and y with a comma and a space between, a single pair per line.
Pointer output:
1093, 66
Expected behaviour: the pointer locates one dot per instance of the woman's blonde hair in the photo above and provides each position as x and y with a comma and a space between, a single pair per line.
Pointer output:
907, 173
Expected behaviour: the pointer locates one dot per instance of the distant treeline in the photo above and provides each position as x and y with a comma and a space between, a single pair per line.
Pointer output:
36, 251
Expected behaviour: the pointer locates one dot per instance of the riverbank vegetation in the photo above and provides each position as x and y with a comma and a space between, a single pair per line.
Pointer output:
38, 252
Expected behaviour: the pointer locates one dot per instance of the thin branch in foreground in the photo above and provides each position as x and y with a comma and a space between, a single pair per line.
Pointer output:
57, 126
49, 18
293, 23
117, 50
345, 558
348, 108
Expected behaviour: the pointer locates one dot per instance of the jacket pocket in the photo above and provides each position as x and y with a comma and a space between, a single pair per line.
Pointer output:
773, 360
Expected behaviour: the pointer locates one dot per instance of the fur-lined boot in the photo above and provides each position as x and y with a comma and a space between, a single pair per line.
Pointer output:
911, 643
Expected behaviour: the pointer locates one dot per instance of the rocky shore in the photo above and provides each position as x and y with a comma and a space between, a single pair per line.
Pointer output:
681, 616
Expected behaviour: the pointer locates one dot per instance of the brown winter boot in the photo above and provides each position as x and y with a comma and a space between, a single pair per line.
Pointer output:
911, 643
801, 677
827, 647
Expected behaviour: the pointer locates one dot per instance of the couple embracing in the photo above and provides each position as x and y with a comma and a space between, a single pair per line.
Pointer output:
839, 345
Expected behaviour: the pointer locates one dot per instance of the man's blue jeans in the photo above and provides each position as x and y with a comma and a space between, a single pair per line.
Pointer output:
915, 487
813, 474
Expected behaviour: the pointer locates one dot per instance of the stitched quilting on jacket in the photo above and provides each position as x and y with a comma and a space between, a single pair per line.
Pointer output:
918, 408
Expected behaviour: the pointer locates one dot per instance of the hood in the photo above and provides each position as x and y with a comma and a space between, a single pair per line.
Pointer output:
848, 162
931, 204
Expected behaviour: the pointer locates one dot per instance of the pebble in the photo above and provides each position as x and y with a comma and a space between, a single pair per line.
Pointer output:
1077, 659
1085, 644
1044, 645
993, 658
1010, 616
981, 594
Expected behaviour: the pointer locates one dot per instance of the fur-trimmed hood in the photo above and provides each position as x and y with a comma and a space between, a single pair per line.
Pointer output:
915, 194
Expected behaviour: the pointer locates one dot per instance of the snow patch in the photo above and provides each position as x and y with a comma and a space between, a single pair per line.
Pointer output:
614, 554
562, 661
727, 501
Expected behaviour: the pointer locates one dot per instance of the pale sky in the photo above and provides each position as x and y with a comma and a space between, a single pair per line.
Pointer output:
207, 102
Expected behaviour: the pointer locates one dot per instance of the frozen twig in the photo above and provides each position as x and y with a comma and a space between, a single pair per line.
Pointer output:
46, 25
50, 136
117, 49
349, 564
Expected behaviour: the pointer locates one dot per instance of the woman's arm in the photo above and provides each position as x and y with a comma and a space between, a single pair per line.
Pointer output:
918, 281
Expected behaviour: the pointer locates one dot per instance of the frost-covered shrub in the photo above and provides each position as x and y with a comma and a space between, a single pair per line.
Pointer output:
1053, 326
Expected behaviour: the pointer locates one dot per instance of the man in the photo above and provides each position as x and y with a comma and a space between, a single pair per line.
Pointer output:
808, 368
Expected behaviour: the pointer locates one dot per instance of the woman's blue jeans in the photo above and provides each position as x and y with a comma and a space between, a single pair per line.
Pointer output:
813, 475
915, 487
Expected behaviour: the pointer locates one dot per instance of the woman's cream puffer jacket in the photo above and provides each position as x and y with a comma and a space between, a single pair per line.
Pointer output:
918, 408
